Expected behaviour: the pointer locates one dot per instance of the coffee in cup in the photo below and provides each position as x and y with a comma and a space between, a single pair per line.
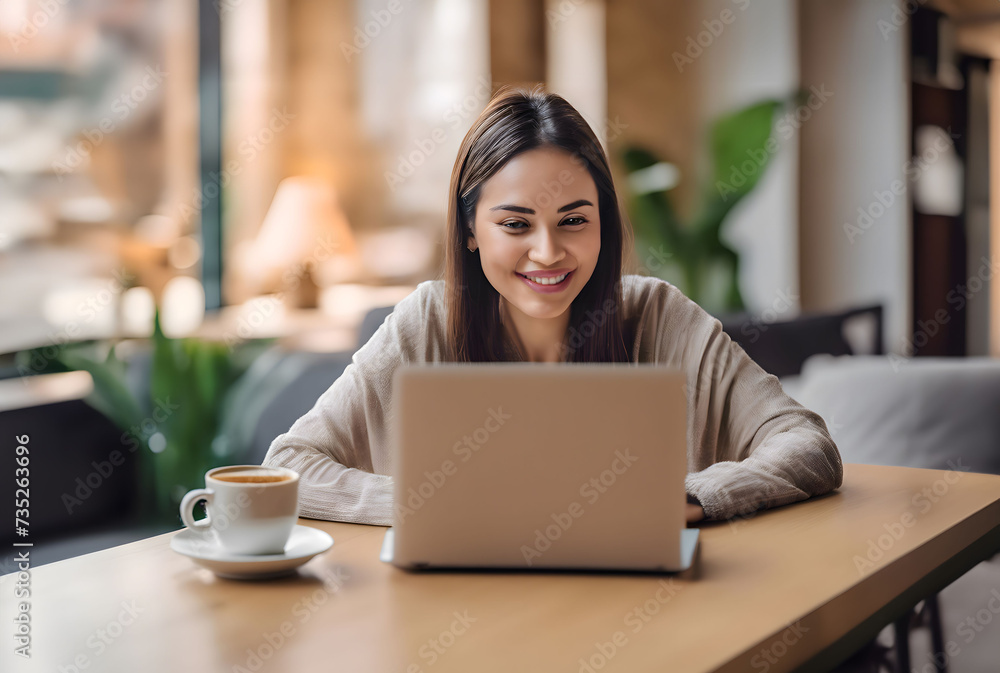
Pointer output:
251, 509
251, 477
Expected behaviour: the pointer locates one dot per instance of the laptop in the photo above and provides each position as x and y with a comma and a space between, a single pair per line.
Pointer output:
539, 466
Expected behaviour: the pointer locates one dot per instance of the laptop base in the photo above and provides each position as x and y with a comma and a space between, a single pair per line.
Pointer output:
689, 544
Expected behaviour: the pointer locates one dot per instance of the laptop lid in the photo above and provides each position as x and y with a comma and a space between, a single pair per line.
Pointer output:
529, 465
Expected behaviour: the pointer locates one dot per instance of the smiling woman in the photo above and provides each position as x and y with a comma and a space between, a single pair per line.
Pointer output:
536, 246
532, 194
537, 259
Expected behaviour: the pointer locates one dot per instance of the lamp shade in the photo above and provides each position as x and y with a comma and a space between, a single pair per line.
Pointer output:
303, 226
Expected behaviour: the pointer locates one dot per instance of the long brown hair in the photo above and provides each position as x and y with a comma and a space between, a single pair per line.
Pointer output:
517, 120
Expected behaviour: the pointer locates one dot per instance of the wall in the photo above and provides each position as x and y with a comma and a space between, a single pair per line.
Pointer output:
857, 147
755, 57
650, 100
673, 67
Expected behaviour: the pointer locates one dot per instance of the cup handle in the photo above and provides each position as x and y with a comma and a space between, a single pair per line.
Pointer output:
187, 508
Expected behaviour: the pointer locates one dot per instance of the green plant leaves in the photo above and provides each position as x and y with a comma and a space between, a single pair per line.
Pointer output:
740, 148
111, 395
190, 382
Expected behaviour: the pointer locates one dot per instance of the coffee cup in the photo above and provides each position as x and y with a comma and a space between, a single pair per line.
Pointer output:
251, 509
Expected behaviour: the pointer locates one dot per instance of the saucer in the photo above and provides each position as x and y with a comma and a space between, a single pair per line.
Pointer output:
303, 544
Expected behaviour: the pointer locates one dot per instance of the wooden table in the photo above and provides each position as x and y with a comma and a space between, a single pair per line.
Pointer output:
793, 588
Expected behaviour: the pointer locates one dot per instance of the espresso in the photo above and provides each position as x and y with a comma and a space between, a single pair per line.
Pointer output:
251, 477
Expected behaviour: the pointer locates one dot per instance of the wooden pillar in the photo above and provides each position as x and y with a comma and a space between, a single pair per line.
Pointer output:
995, 208
517, 42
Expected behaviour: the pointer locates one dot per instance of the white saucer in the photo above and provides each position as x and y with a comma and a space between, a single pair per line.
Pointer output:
204, 549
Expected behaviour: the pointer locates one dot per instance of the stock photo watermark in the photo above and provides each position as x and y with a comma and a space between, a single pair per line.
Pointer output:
31, 26
770, 654
104, 637
435, 647
260, 310
885, 199
968, 630
786, 126
88, 311
464, 449
898, 16
785, 301
561, 12
923, 502
248, 149
577, 336
749, 511
144, 432
697, 44
957, 298
22, 560
408, 163
121, 107
591, 490
636, 620
302, 611
656, 260
378, 20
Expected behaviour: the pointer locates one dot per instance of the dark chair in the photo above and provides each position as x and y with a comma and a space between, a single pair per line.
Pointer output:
780, 348
295, 383
305, 377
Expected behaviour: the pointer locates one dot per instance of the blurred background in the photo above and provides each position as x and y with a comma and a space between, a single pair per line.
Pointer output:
207, 206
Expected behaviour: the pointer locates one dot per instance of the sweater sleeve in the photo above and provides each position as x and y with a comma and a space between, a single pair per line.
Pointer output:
331, 446
754, 447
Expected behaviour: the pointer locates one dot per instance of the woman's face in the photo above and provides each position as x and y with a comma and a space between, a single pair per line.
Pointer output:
538, 216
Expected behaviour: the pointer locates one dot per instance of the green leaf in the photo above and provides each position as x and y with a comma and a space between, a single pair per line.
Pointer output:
111, 395
653, 217
738, 145
740, 156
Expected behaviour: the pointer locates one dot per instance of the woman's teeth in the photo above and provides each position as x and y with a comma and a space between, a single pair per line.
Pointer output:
548, 281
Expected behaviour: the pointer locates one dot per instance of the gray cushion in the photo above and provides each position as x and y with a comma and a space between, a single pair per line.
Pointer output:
919, 412
294, 387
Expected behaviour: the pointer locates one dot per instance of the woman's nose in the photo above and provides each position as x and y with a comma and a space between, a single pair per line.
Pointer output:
546, 249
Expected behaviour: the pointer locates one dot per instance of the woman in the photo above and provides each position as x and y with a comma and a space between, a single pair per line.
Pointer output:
534, 273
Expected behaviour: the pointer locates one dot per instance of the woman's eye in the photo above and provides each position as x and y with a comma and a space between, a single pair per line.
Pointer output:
515, 225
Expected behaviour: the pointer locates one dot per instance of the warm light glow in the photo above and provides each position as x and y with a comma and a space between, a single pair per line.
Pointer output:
303, 226
349, 302
13, 15
184, 253
138, 308
84, 310
183, 306
397, 253
261, 317
35, 391
87, 209
158, 230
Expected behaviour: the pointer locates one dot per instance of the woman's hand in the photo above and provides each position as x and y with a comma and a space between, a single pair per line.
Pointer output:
693, 513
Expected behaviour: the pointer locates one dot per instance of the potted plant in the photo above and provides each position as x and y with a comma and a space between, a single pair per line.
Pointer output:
694, 256
177, 424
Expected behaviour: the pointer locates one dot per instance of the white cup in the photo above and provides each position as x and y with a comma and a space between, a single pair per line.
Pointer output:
251, 509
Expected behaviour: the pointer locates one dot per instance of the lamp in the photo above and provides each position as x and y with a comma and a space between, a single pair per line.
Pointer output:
303, 228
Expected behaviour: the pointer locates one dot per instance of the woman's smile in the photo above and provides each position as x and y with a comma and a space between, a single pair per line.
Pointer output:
547, 282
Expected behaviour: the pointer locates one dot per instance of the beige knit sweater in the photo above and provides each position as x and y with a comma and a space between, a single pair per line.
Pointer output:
749, 445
